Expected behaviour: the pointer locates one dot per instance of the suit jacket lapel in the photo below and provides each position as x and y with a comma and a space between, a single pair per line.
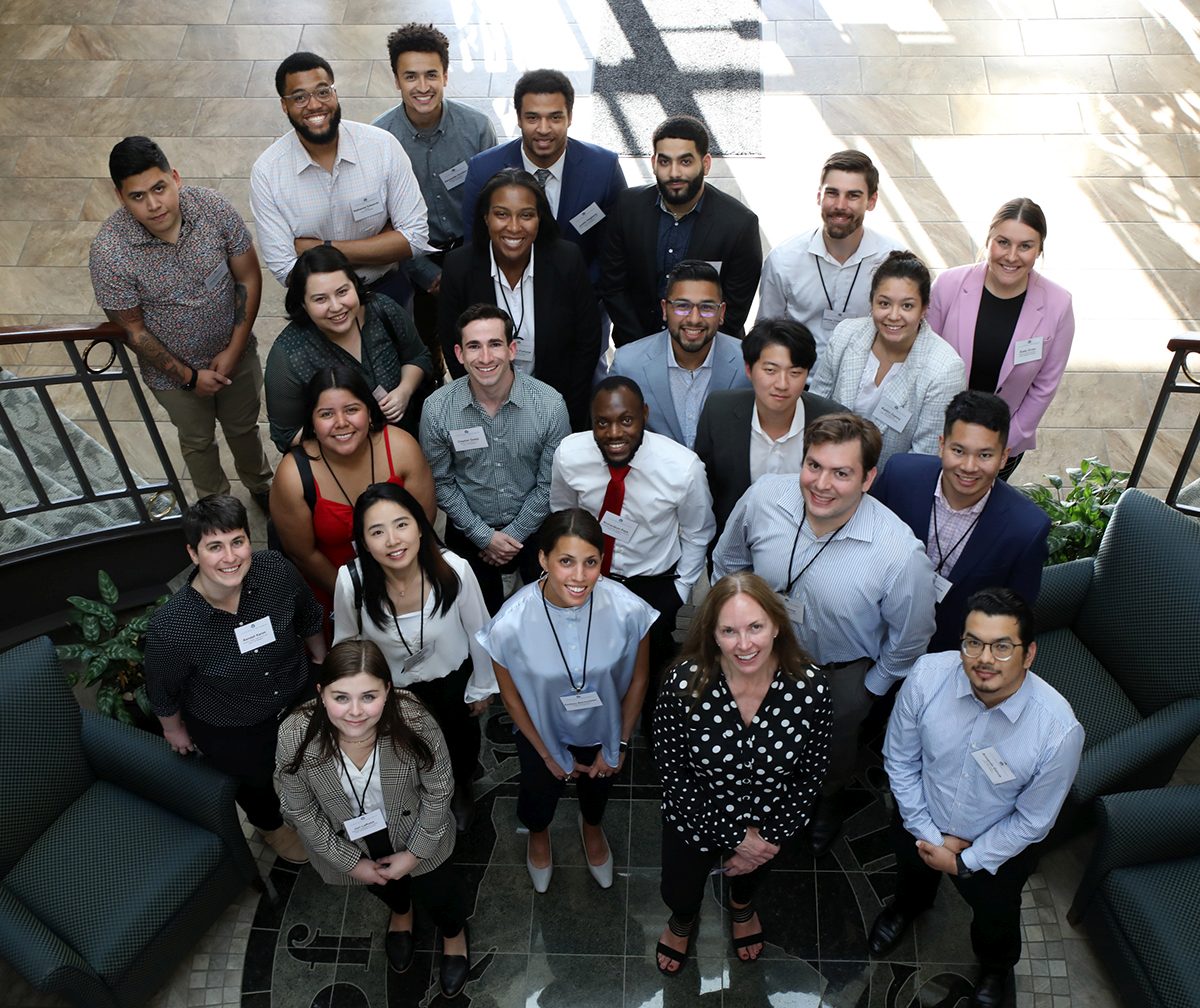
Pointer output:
656, 384
569, 193
982, 542
1033, 311
738, 435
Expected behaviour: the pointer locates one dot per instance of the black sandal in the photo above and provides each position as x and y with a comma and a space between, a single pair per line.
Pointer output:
679, 930
742, 915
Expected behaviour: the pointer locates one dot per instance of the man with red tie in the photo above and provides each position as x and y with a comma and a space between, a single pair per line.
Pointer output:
651, 496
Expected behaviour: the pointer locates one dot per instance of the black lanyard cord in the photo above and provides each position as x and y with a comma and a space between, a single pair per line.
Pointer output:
853, 281
937, 539
586, 642
792, 558
361, 802
399, 633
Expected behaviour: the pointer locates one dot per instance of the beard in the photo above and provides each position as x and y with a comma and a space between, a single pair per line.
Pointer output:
842, 227
688, 194
311, 135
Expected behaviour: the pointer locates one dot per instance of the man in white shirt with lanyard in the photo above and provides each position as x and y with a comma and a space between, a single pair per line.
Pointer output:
823, 276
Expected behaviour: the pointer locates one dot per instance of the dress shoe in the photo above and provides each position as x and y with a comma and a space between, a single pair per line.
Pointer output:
886, 932
463, 807
455, 968
825, 825
993, 989
540, 876
285, 842
400, 949
603, 872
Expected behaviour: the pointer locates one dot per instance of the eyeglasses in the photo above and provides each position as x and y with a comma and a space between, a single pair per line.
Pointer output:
1002, 650
299, 99
708, 309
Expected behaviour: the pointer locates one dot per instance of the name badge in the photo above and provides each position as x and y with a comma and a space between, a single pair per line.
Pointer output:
794, 607
453, 177
468, 438
217, 276
581, 701
524, 351
365, 206
1027, 351
941, 586
380, 393
365, 825
587, 218
892, 414
992, 764
254, 635
619, 527
415, 660
715, 264
830, 319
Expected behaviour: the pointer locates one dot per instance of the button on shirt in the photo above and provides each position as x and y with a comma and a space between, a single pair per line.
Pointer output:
505, 485
518, 302
666, 494
195, 666
185, 289
553, 184
674, 238
870, 594
950, 532
939, 786
768, 455
372, 184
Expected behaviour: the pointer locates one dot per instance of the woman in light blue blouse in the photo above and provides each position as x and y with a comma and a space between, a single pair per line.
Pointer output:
571, 659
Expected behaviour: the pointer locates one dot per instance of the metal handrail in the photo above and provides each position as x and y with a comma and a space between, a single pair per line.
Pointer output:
1173, 384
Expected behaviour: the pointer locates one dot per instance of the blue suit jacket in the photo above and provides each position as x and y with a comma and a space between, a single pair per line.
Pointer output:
591, 174
1007, 548
645, 361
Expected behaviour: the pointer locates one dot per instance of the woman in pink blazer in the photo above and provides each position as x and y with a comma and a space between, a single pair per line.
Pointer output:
1011, 326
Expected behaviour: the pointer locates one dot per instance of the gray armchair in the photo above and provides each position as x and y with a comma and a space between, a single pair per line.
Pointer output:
117, 854
1116, 636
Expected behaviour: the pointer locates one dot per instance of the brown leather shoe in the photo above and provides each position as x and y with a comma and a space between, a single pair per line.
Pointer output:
285, 841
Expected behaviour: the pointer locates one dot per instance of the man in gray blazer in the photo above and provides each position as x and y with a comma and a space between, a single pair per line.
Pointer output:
681, 366
747, 433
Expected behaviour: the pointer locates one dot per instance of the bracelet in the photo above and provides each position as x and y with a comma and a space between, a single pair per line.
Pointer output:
190, 384
624, 745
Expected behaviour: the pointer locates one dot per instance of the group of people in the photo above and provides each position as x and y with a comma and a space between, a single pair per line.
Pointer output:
835, 469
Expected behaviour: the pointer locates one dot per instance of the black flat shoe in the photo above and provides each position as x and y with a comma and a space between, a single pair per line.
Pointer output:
886, 932
462, 804
993, 989
825, 825
400, 949
455, 968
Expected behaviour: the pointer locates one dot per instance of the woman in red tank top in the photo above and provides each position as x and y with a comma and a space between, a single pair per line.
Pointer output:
346, 446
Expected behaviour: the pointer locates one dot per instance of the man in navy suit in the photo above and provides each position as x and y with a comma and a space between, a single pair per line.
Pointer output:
679, 217
582, 181
678, 368
978, 532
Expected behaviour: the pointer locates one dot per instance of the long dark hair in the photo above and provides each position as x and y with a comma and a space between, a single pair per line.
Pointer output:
440, 574
547, 225
345, 659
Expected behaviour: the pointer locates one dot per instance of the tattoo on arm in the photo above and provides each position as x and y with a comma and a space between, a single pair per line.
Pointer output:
239, 303
143, 343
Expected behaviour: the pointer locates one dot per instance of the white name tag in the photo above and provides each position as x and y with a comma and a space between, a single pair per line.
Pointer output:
365, 206
468, 438
217, 276
941, 586
619, 527
380, 393
581, 701
1027, 351
794, 607
453, 177
715, 264
587, 218
254, 635
992, 764
892, 414
415, 660
525, 352
830, 319
365, 825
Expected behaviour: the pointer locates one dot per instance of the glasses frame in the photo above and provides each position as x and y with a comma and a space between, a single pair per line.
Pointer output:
989, 646
707, 309
300, 99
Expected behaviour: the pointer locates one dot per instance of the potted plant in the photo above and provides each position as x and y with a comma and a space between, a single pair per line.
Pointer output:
1078, 518
111, 655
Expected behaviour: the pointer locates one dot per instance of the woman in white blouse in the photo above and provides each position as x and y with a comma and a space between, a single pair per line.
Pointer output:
422, 605
741, 739
891, 367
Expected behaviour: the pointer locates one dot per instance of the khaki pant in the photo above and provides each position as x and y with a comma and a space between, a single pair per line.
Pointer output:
236, 406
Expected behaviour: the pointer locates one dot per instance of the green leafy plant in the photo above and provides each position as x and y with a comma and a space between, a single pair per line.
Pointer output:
111, 654
1078, 517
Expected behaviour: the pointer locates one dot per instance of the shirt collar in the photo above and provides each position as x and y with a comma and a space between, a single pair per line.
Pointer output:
861, 524
555, 169
439, 128
974, 509
673, 363
796, 428
695, 210
498, 276
866, 247
302, 159
519, 393
1011, 707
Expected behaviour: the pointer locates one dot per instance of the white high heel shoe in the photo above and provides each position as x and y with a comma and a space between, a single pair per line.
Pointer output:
602, 873
540, 876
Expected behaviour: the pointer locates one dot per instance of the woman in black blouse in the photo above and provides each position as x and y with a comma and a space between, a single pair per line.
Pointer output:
741, 738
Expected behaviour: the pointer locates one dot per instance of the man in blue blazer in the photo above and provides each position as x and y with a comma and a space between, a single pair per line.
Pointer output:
678, 368
978, 531
582, 181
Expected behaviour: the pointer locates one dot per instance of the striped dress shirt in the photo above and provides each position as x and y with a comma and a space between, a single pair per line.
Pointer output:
869, 594
504, 485
953, 530
936, 726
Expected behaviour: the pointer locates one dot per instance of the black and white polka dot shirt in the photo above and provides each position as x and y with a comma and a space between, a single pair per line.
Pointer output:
721, 776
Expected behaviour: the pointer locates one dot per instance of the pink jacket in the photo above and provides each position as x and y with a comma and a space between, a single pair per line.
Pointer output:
1027, 388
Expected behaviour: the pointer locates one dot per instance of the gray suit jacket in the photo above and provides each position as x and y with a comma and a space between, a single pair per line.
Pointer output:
645, 361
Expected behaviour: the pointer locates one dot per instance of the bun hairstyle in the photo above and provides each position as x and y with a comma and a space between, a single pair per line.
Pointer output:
904, 265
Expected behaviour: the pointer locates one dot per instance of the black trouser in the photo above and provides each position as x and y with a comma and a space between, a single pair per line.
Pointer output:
443, 698
686, 869
540, 790
440, 891
246, 753
489, 575
659, 591
851, 704
1010, 466
995, 900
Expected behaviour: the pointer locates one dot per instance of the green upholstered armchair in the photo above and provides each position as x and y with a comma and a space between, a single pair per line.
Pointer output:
1117, 638
1138, 895
116, 854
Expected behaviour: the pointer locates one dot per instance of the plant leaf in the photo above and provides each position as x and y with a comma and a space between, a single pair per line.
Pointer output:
108, 590
89, 626
87, 605
143, 701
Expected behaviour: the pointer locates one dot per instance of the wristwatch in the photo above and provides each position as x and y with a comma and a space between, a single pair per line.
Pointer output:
963, 870
190, 384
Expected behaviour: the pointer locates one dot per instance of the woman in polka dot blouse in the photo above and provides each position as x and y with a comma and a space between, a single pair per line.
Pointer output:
741, 738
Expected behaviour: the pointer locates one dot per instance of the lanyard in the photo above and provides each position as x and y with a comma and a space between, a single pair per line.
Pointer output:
399, 633
370, 448
361, 802
792, 557
937, 539
587, 641
508, 307
853, 281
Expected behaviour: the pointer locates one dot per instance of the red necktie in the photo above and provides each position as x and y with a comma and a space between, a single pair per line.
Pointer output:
614, 498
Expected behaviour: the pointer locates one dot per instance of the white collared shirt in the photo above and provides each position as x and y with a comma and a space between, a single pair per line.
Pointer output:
518, 302
361, 784
771, 455
553, 185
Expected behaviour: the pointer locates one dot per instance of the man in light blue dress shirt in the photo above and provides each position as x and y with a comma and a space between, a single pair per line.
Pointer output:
980, 754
